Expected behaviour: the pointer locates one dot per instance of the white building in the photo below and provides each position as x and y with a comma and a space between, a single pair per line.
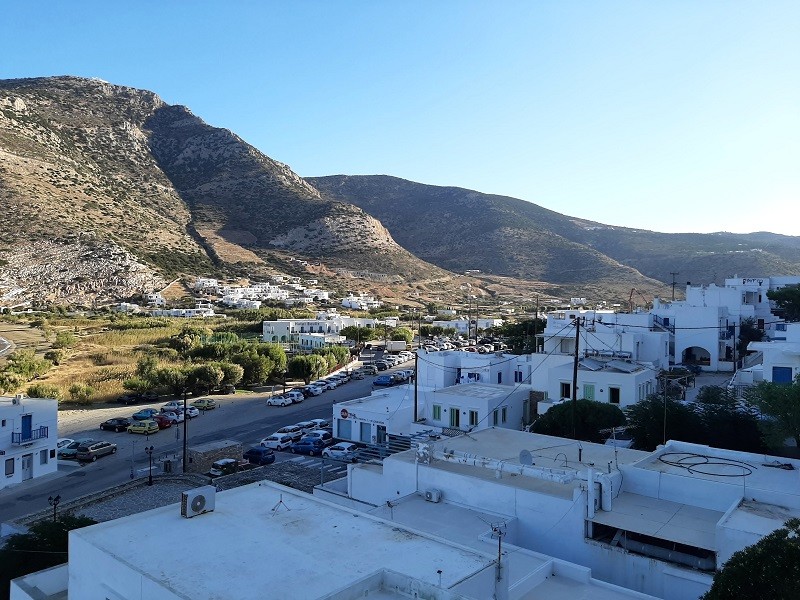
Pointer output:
472, 407
463, 326
614, 381
630, 336
155, 299
779, 359
361, 301
312, 341
202, 310
206, 284
288, 331
660, 523
358, 553
28, 438
372, 419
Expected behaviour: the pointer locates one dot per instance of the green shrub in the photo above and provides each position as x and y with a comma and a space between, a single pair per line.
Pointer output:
44, 390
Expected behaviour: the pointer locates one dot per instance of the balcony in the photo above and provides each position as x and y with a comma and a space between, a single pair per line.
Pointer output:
28, 437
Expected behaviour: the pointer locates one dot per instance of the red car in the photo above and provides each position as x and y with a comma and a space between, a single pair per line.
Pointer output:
163, 422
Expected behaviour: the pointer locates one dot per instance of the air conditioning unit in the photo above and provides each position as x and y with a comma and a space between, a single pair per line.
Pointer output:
433, 495
197, 501
17, 399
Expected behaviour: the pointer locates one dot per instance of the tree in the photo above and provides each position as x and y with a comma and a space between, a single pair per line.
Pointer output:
10, 381
590, 418
172, 378
404, 334
146, 367
646, 422
727, 422
521, 336
780, 402
300, 367
770, 568
205, 377
256, 368
748, 332
787, 299
139, 385
44, 390
359, 334
65, 339
232, 373
44, 546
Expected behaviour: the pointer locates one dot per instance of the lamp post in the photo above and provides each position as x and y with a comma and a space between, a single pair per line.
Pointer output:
185, 429
54, 503
149, 451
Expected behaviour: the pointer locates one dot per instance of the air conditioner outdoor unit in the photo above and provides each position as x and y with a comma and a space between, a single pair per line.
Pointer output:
197, 501
17, 399
433, 495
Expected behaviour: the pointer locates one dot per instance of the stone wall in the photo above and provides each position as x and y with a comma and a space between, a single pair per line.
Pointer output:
202, 457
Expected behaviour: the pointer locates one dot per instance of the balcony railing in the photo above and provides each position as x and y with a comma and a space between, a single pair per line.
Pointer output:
28, 437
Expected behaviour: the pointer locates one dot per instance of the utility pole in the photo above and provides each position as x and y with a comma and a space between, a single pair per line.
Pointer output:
536, 326
416, 364
575, 376
673, 273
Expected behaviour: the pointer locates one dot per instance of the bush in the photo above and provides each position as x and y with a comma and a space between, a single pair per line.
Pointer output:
55, 356
590, 418
65, 339
81, 393
44, 390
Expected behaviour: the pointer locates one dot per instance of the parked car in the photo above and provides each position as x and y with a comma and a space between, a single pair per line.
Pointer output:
70, 450
342, 451
191, 412
150, 397
144, 414
174, 417
320, 423
325, 384
295, 396
118, 424
292, 431
311, 390
326, 437
162, 421
357, 375
172, 406
258, 455
277, 441
128, 399
205, 404
228, 388
306, 426
369, 369
381, 365
224, 466
145, 427
384, 380
278, 401
94, 450
308, 445
64, 442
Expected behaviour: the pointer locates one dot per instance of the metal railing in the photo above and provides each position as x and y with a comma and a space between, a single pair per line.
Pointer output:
24, 437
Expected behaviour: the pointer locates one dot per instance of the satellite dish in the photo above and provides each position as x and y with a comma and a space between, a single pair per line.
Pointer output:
525, 457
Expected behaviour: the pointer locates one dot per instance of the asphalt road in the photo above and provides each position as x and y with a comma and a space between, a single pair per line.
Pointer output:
240, 417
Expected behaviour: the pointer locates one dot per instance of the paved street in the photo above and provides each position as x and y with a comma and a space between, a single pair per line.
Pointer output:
241, 417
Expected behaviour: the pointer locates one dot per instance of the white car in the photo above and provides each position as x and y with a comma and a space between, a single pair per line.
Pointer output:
64, 442
279, 401
174, 417
307, 426
192, 412
174, 406
293, 431
277, 441
341, 451
295, 396
325, 384
319, 423
314, 390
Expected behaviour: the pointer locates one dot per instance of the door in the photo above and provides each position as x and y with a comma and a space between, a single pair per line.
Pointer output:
381, 434
27, 466
27, 427
613, 395
781, 374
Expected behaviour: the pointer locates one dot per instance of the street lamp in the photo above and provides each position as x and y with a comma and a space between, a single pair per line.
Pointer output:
149, 451
185, 429
54, 503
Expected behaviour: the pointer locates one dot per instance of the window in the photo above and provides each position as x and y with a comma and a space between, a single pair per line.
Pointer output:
566, 390
473, 418
504, 413
499, 377
495, 418
3, 423
588, 391
9, 467
455, 417
437, 412
613, 395
517, 376
778, 327
43, 457
366, 432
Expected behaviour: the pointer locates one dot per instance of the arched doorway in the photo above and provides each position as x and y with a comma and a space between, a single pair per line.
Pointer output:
696, 355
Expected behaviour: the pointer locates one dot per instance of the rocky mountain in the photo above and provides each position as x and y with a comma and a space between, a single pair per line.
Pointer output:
84, 160
498, 234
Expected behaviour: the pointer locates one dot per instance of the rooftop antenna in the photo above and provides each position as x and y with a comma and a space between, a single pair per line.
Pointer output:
278, 505
526, 458
499, 529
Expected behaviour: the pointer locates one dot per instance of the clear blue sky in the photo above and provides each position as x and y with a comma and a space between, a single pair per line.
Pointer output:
670, 116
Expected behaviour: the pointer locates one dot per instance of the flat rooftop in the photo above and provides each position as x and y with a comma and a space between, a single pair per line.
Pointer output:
321, 547
741, 469
477, 390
